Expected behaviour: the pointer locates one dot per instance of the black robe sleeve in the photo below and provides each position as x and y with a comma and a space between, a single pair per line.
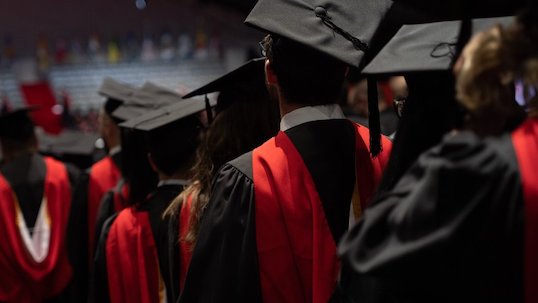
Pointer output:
450, 231
224, 263
173, 256
99, 291
106, 210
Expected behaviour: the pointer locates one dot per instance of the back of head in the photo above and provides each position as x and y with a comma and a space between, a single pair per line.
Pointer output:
172, 147
305, 76
17, 133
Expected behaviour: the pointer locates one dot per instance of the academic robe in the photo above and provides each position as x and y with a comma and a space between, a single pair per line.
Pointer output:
133, 261
88, 194
460, 226
275, 215
35, 192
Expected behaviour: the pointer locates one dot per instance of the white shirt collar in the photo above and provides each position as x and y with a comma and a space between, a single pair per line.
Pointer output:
181, 182
114, 150
309, 114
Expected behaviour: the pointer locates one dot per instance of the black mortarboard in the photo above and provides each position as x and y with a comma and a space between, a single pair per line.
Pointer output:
148, 98
233, 86
17, 124
424, 47
163, 116
116, 93
68, 142
341, 29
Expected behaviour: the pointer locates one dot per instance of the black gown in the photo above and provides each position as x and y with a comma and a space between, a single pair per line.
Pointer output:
156, 204
26, 176
224, 265
77, 232
450, 231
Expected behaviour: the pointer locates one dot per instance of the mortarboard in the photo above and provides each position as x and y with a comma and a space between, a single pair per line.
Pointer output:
241, 84
148, 98
116, 93
17, 123
424, 47
71, 146
163, 116
341, 29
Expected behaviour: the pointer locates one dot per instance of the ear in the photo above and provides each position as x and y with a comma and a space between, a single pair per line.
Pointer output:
270, 74
152, 163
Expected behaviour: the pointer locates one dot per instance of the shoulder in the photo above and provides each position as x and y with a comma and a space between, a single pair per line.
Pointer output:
241, 165
101, 165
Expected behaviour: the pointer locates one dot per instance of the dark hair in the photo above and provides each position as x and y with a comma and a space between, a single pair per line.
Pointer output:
136, 169
305, 76
172, 147
238, 128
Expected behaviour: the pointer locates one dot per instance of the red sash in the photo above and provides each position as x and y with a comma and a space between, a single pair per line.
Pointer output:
23, 280
525, 140
185, 248
296, 250
132, 261
104, 175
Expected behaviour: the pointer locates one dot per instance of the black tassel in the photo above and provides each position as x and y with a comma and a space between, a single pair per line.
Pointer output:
321, 13
374, 119
208, 110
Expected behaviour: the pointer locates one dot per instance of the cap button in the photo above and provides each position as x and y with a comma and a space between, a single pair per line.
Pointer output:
320, 11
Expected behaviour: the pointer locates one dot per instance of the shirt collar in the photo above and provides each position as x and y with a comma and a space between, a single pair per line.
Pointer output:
309, 114
114, 150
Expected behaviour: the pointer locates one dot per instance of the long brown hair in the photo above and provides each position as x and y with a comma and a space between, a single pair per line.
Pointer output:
237, 128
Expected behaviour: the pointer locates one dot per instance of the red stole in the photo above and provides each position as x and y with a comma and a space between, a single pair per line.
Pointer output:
22, 279
185, 248
296, 250
104, 175
525, 140
132, 261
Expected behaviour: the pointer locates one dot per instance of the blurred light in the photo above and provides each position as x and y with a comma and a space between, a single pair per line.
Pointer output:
140, 4
100, 143
57, 109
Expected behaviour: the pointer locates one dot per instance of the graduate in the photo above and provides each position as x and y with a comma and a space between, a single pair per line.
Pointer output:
170, 135
275, 214
35, 192
245, 117
460, 225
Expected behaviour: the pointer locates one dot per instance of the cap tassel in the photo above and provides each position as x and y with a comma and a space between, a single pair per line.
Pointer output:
208, 110
321, 13
374, 119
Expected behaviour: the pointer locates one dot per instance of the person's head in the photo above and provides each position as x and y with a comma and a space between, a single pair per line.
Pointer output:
485, 83
172, 147
17, 135
108, 126
301, 75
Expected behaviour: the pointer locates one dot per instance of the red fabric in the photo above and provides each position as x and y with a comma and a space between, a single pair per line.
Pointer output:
41, 94
296, 250
525, 140
104, 175
185, 248
131, 257
22, 280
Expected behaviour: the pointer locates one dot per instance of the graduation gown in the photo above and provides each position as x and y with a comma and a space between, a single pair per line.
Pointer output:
35, 193
88, 194
460, 226
269, 233
149, 273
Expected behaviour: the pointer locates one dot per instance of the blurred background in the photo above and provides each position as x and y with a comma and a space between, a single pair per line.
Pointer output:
56, 53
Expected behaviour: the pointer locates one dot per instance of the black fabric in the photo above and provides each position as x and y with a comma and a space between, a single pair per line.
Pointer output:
106, 208
116, 158
26, 176
155, 205
173, 252
99, 291
77, 238
451, 230
328, 151
224, 266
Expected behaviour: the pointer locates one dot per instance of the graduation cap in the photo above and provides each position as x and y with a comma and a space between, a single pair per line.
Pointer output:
116, 93
71, 146
425, 47
16, 124
149, 97
249, 77
341, 29
160, 117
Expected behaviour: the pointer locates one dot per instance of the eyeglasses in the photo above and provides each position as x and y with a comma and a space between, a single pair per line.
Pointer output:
399, 105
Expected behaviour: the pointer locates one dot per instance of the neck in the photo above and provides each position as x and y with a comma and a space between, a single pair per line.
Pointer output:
287, 107
176, 176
